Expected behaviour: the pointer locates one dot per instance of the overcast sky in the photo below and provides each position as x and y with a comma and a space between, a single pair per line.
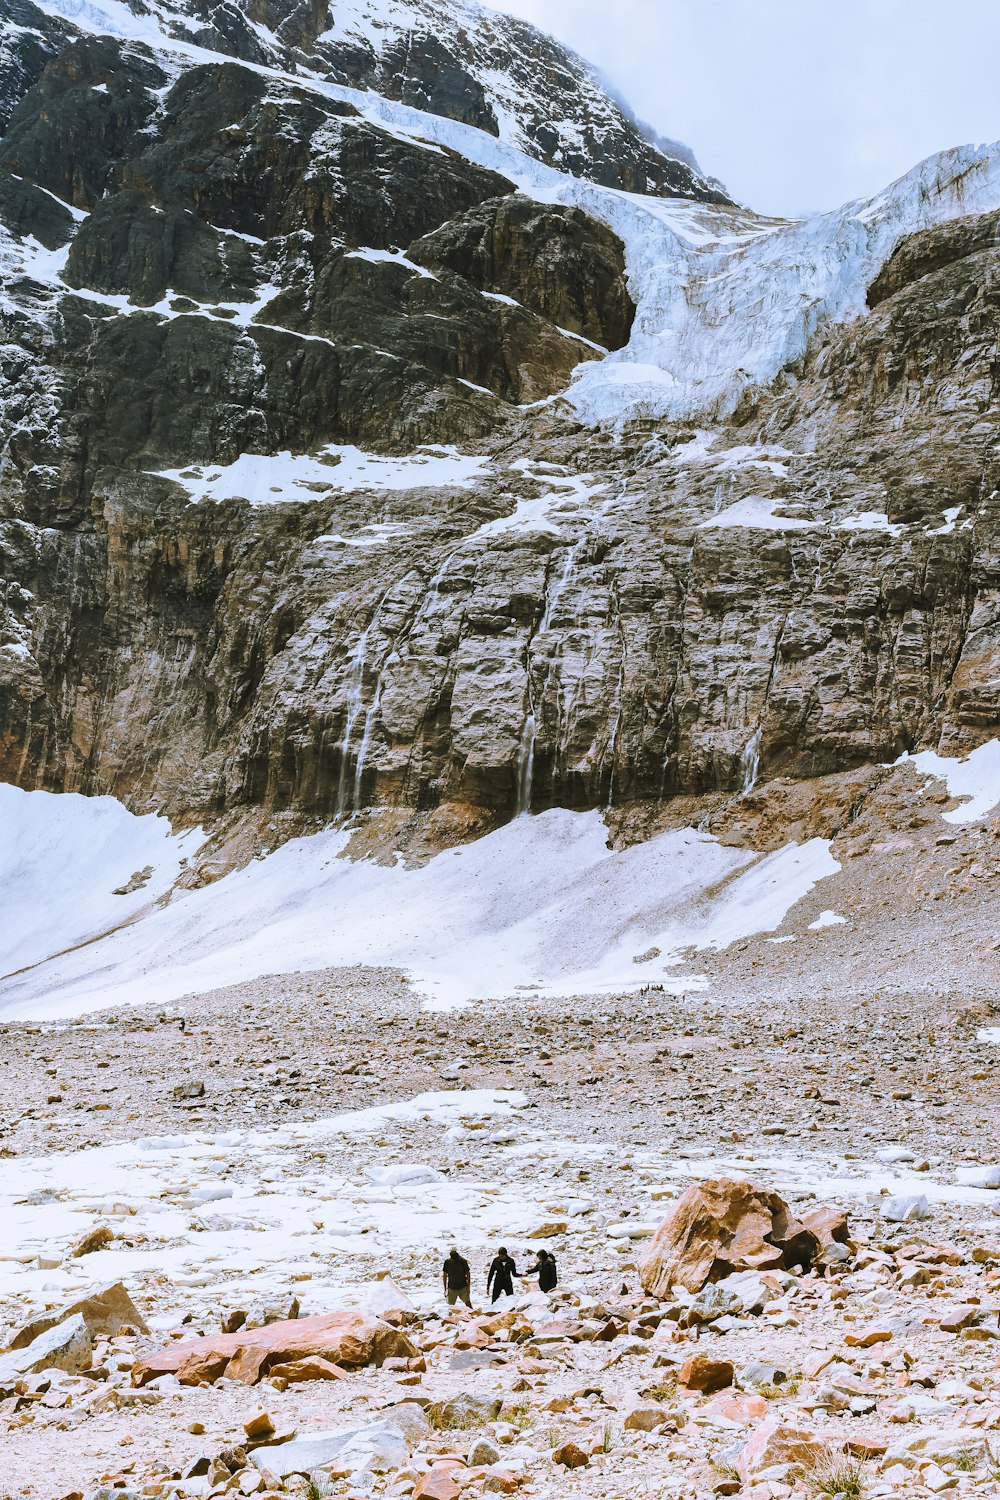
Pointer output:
796, 104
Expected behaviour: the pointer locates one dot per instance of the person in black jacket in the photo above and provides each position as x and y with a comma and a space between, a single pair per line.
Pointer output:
457, 1279
545, 1269
501, 1275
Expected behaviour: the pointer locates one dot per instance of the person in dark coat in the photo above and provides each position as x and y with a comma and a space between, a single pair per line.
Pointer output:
501, 1275
457, 1278
545, 1269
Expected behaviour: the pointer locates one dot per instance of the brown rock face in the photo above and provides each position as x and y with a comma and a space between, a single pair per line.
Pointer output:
829, 1225
314, 1368
572, 628
555, 260
721, 1226
345, 1338
440, 1482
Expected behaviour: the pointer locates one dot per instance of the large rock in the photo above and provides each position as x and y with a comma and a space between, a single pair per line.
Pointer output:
721, 1226
67, 1346
700, 1372
775, 1442
105, 1312
347, 1338
377, 1448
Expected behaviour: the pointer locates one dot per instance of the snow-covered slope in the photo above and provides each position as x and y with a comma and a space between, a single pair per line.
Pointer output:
458, 59
542, 904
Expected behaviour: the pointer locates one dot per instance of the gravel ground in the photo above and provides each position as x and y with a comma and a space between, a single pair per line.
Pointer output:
829, 1047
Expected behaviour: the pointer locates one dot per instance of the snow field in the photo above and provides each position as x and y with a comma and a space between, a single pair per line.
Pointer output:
976, 777
61, 858
541, 905
272, 479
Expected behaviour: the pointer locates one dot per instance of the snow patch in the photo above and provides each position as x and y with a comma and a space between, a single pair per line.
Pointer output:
541, 905
756, 513
976, 777
390, 257
827, 919
62, 857
870, 520
277, 478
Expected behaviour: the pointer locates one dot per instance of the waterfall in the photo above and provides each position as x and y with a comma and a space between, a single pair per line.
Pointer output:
366, 738
355, 694
750, 762
554, 593
347, 786
526, 764
529, 734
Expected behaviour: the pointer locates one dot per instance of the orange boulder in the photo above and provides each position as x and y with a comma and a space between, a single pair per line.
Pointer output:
349, 1339
719, 1227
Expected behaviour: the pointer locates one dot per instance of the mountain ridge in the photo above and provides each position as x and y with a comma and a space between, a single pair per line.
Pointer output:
356, 459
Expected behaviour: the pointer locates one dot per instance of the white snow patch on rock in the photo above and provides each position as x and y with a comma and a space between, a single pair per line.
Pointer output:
756, 513
976, 777
275, 478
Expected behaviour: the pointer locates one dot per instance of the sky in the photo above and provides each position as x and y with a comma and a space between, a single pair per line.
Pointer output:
797, 105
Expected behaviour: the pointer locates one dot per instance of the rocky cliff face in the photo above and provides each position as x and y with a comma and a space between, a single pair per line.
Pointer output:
295, 520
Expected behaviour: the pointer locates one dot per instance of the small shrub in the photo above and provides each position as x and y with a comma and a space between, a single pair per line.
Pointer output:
726, 1469
663, 1390
842, 1476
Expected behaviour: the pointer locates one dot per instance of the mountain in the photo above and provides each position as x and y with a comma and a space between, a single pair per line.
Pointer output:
389, 423
499, 702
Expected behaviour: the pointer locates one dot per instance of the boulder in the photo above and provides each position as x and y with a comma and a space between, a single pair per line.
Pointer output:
377, 1447
775, 1442
906, 1207
502, 1481
980, 1177
570, 1456
646, 1418
409, 1417
829, 1225
702, 1373
348, 1338
738, 1408
721, 1226
439, 1483
67, 1346
957, 1318
105, 1312
259, 1428
94, 1239
465, 1410
867, 1338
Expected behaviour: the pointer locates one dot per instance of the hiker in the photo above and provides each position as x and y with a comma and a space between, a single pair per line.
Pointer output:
457, 1279
545, 1269
501, 1275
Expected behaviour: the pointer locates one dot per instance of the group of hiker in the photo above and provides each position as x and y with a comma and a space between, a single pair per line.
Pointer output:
456, 1275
